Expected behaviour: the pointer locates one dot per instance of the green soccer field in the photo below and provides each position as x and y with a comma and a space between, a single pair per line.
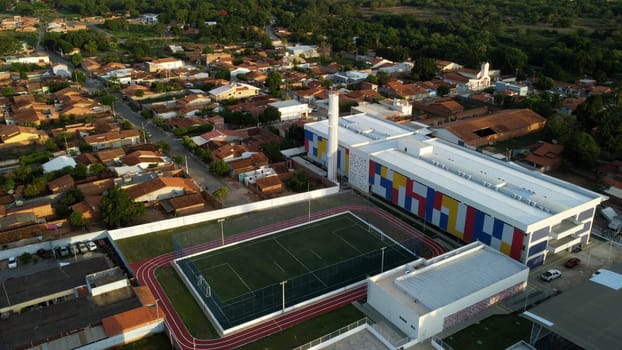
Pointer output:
264, 261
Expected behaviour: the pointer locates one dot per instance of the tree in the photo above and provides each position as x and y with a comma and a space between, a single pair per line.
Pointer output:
299, 182
97, 168
270, 114
273, 82
118, 208
424, 69
76, 59
442, 90
108, 100
139, 93
77, 219
584, 149
219, 168
272, 151
164, 146
221, 193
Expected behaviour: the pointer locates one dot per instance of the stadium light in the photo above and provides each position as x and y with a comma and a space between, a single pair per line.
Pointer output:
283, 294
222, 231
382, 259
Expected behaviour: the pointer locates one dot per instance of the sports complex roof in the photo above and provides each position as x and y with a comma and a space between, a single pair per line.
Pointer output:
450, 277
360, 129
519, 196
587, 315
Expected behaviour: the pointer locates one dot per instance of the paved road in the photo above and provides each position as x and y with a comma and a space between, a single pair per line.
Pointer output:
198, 169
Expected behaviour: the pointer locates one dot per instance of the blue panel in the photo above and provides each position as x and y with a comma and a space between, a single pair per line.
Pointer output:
408, 202
497, 229
444, 221
386, 183
308, 135
429, 201
378, 167
586, 214
315, 151
372, 179
535, 249
339, 159
478, 227
537, 261
541, 233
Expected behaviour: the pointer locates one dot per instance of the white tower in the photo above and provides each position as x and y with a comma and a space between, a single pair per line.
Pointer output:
333, 141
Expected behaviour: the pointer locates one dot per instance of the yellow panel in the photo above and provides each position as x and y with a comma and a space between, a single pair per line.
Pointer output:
452, 205
321, 149
399, 180
506, 248
383, 171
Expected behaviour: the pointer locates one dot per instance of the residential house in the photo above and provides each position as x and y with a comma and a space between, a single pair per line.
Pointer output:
291, 109
269, 185
447, 66
162, 188
41, 209
168, 63
304, 51
90, 66
58, 163
185, 204
110, 156
145, 159
233, 91
396, 69
113, 139
349, 77
415, 91
95, 187
61, 184
569, 105
38, 58
21, 135
89, 207
545, 157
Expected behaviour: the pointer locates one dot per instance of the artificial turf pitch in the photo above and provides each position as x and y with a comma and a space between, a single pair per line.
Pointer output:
325, 254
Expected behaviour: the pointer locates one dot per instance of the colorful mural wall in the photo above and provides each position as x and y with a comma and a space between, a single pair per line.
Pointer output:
315, 147
465, 222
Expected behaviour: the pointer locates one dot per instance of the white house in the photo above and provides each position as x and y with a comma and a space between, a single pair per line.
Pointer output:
427, 296
61, 70
164, 64
303, 50
37, 58
58, 163
291, 109
349, 77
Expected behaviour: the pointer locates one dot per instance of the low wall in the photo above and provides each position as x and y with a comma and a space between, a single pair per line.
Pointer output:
125, 338
161, 225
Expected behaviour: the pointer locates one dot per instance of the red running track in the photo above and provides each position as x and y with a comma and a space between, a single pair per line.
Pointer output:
145, 272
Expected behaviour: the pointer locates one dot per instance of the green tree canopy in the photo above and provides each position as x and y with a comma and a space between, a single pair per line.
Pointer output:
219, 168
118, 208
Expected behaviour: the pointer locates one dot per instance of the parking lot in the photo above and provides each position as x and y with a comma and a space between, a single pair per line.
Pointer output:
596, 255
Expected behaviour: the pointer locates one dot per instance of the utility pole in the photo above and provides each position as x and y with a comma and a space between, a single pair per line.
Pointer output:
283, 294
222, 231
187, 169
382, 259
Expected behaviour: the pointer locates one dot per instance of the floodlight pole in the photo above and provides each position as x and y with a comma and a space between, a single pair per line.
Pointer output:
309, 200
222, 231
382, 259
283, 295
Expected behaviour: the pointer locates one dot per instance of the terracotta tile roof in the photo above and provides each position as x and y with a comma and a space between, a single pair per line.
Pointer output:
110, 155
129, 320
549, 150
162, 182
269, 183
501, 122
86, 158
61, 184
186, 122
187, 201
96, 187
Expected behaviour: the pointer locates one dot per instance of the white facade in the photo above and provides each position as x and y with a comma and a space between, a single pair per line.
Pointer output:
40, 59
303, 50
164, 64
426, 297
291, 109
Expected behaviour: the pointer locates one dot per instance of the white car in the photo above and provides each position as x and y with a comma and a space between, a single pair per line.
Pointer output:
551, 274
12, 262
91, 246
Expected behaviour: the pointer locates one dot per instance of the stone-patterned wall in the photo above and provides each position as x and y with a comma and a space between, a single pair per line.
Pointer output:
359, 169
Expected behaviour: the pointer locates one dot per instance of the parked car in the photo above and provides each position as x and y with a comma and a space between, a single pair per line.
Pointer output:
44, 253
12, 262
82, 247
91, 246
551, 274
63, 251
572, 262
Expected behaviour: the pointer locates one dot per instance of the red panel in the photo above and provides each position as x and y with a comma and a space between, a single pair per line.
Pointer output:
438, 200
469, 225
422, 203
517, 244
347, 151
372, 168
395, 195
409, 188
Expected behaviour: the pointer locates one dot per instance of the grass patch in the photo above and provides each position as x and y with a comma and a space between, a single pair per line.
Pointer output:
495, 332
308, 330
157, 341
197, 324
519, 142
157, 243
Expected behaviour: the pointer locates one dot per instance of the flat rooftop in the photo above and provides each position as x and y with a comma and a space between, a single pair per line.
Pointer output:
587, 315
41, 284
360, 338
360, 129
447, 278
520, 196
287, 103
